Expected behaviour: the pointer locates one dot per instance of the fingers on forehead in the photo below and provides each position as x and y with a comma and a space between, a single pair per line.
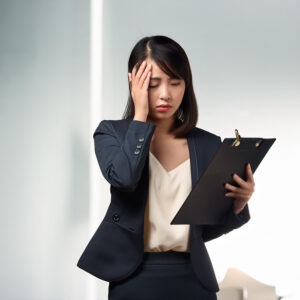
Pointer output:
137, 66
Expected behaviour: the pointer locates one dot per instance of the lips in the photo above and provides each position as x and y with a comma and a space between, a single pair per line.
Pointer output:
163, 107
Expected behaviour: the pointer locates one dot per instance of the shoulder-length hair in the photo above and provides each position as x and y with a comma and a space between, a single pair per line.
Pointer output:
172, 60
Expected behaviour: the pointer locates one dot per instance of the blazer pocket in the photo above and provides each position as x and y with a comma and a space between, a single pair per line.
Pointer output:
113, 252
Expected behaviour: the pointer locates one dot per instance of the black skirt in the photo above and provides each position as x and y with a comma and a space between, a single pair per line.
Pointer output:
161, 276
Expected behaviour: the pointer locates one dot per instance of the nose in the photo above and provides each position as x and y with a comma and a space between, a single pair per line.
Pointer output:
164, 92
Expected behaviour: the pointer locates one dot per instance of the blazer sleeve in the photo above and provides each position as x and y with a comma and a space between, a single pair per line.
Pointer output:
120, 159
232, 222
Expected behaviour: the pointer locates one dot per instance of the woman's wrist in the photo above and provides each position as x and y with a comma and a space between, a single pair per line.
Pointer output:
140, 117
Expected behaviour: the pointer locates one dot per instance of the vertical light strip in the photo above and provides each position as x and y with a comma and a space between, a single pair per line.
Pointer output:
96, 7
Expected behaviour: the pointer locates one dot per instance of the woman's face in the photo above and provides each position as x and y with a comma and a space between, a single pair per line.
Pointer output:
165, 94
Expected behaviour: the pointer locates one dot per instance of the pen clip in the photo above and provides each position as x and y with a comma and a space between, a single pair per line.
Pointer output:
237, 141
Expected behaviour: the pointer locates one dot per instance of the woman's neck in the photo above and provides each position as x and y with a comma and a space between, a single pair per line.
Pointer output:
162, 126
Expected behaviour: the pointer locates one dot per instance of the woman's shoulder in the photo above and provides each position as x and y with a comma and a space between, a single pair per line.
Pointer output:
202, 133
206, 142
108, 126
109, 122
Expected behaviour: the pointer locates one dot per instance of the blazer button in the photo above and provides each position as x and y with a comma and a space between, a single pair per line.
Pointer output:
141, 140
136, 152
139, 146
116, 218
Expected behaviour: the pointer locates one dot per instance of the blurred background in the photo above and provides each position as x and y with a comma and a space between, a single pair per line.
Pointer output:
63, 68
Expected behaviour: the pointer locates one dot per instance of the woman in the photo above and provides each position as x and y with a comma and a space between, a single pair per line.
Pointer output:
152, 158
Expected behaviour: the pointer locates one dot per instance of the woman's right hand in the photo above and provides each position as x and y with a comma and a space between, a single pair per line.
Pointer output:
139, 82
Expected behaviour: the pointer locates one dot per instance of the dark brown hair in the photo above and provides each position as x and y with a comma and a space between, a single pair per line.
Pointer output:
172, 60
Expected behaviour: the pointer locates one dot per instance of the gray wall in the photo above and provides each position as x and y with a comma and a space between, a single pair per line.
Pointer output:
44, 127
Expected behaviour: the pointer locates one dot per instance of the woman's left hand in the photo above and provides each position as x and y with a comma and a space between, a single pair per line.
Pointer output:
243, 191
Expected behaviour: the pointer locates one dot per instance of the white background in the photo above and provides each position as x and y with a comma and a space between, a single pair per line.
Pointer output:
245, 62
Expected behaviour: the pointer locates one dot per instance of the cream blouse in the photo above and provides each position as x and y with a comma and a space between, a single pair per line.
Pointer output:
167, 192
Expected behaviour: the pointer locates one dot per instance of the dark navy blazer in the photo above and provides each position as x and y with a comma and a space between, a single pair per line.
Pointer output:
116, 249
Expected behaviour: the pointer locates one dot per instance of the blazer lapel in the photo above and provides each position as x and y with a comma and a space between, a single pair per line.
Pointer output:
193, 159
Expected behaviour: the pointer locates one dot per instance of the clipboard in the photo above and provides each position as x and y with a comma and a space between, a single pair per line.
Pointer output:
207, 204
